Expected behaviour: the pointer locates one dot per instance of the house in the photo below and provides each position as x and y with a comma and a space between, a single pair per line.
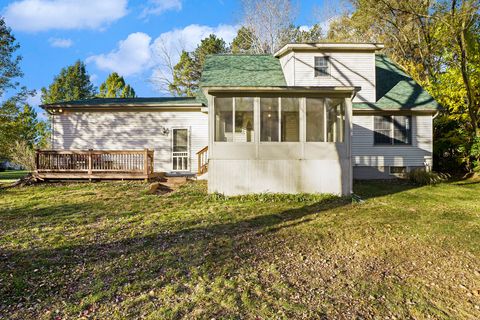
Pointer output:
310, 118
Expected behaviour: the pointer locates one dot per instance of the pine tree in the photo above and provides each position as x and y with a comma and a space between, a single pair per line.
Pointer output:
115, 87
73, 83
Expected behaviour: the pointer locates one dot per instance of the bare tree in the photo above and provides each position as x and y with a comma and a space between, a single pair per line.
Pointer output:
268, 22
166, 54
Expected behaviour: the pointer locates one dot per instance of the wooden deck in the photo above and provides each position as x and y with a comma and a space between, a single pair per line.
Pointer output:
94, 164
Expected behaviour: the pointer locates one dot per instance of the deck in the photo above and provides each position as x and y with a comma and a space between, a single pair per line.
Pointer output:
94, 164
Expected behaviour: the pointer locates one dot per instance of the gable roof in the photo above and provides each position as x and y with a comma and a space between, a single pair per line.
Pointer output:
242, 70
395, 90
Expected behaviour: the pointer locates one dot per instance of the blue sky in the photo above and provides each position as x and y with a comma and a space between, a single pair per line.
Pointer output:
131, 37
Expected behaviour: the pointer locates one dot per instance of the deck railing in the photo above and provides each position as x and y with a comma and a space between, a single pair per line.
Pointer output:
202, 160
94, 164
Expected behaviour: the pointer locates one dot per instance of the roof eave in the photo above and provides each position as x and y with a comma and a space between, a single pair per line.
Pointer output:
328, 46
278, 89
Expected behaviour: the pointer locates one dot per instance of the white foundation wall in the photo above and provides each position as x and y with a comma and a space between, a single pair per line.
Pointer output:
235, 177
366, 153
346, 69
113, 130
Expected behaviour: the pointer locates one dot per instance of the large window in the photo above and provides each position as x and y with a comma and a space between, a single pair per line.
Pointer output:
244, 120
393, 130
227, 112
315, 116
335, 120
224, 119
322, 66
280, 119
290, 114
269, 117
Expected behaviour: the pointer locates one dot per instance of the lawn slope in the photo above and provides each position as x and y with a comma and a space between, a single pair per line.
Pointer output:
109, 250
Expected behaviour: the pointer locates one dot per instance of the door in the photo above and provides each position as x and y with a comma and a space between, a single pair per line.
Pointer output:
180, 150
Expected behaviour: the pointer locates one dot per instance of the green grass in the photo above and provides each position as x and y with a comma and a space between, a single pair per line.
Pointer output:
11, 175
111, 251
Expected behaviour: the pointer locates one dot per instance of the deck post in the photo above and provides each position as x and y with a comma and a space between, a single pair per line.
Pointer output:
37, 160
90, 164
145, 164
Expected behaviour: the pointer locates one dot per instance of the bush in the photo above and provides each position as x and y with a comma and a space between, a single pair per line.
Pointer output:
423, 177
23, 154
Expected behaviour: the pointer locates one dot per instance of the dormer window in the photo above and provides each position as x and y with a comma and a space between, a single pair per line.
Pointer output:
322, 66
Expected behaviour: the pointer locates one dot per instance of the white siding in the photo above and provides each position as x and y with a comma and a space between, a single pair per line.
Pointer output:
288, 66
346, 69
365, 153
132, 131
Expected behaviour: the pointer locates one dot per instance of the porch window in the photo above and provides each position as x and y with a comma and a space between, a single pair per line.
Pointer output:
244, 131
393, 130
315, 116
269, 119
335, 120
223, 119
290, 115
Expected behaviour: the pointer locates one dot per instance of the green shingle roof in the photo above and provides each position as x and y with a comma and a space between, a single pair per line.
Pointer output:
242, 71
396, 90
168, 101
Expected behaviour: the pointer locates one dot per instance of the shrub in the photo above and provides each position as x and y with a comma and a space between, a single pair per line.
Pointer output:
23, 154
423, 177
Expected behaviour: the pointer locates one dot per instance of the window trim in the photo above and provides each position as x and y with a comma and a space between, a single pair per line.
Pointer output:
407, 170
392, 131
317, 73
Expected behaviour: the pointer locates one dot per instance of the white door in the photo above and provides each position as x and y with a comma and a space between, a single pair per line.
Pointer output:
180, 149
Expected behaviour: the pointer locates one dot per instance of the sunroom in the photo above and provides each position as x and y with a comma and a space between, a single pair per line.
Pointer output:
280, 139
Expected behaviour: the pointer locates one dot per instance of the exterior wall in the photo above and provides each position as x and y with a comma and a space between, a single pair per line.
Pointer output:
372, 173
114, 130
346, 69
367, 155
280, 167
288, 66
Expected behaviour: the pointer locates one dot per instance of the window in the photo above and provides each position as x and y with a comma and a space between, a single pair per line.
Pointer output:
223, 119
322, 68
335, 120
398, 171
290, 126
315, 120
225, 115
393, 130
269, 117
243, 120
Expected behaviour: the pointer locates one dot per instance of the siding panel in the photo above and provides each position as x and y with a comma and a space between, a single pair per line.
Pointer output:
365, 153
131, 130
346, 69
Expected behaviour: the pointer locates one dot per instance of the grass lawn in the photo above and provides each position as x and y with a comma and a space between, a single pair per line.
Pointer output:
10, 176
109, 250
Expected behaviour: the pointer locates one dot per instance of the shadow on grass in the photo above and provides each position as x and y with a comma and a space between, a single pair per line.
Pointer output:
367, 189
161, 257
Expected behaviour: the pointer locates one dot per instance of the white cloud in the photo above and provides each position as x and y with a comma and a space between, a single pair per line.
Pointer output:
132, 56
93, 78
158, 7
42, 15
60, 42
138, 53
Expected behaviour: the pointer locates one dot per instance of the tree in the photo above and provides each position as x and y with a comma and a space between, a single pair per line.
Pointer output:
268, 23
243, 41
188, 70
9, 61
73, 83
115, 87
19, 124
